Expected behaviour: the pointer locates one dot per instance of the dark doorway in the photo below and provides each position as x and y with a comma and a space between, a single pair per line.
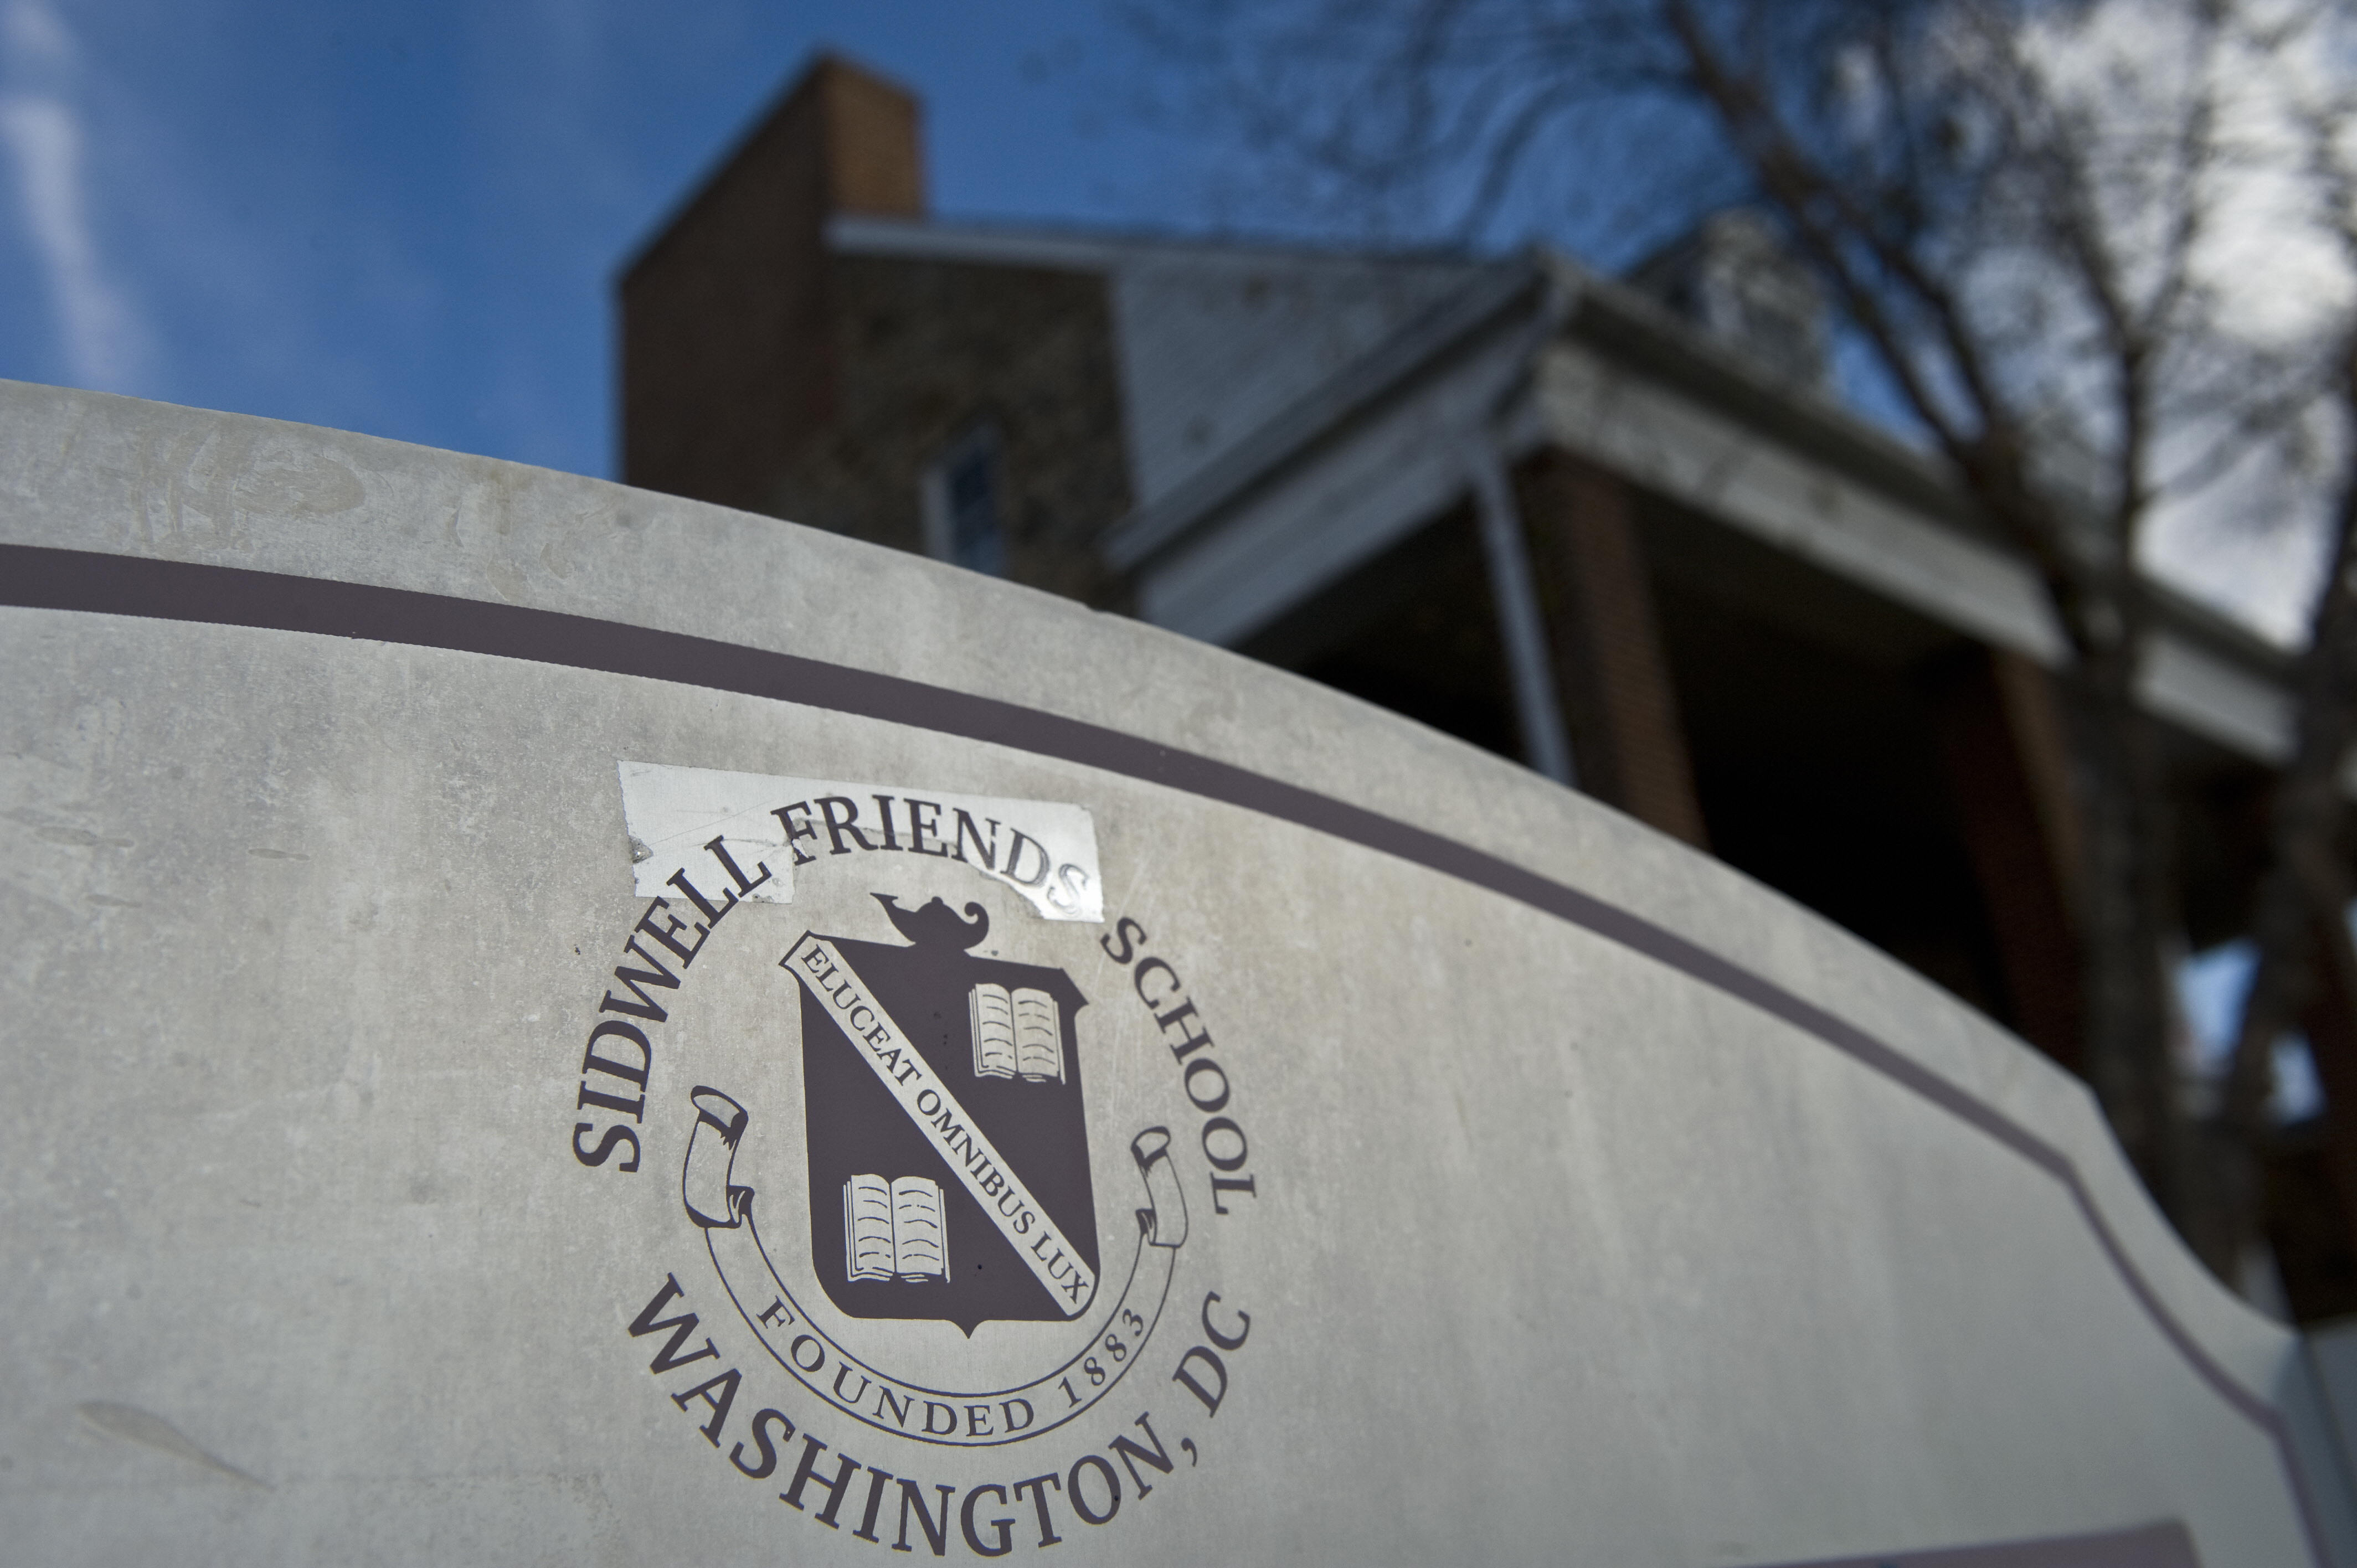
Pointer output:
1815, 755
1412, 631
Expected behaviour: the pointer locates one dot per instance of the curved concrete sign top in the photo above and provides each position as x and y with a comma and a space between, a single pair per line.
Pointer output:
551, 1023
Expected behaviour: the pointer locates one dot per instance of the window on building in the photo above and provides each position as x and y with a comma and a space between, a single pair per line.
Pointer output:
964, 523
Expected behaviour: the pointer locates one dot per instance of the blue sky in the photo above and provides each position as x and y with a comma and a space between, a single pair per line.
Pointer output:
406, 220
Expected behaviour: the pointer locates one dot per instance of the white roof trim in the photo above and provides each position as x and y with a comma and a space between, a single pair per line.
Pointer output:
1409, 352
925, 239
915, 239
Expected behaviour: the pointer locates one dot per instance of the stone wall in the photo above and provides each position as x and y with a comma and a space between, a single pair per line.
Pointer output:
762, 372
927, 351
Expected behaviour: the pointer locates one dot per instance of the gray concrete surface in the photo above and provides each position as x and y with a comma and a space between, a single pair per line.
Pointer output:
1605, 1208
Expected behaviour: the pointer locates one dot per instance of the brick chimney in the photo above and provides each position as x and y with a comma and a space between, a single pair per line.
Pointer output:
727, 330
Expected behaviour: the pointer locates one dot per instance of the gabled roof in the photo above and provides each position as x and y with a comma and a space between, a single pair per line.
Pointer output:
1240, 358
1216, 337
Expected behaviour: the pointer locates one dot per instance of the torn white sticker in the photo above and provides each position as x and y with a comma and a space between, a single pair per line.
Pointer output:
1045, 850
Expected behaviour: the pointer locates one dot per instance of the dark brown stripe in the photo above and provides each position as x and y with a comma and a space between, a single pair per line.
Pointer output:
2152, 1546
37, 577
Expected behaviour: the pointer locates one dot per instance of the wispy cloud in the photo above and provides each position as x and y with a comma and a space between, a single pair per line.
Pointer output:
2272, 288
99, 332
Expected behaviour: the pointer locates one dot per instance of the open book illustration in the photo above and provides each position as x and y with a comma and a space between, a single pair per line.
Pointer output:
893, 1230
1015, 1032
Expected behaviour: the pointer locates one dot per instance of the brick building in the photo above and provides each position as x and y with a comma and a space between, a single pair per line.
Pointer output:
1616, 530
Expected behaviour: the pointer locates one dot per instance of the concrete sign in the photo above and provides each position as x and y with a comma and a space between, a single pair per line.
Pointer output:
549, 1023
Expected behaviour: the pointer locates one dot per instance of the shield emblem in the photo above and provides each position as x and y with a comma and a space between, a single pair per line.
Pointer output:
943, 1203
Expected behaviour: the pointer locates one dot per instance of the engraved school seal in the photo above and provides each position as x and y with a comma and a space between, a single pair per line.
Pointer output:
945, 1189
